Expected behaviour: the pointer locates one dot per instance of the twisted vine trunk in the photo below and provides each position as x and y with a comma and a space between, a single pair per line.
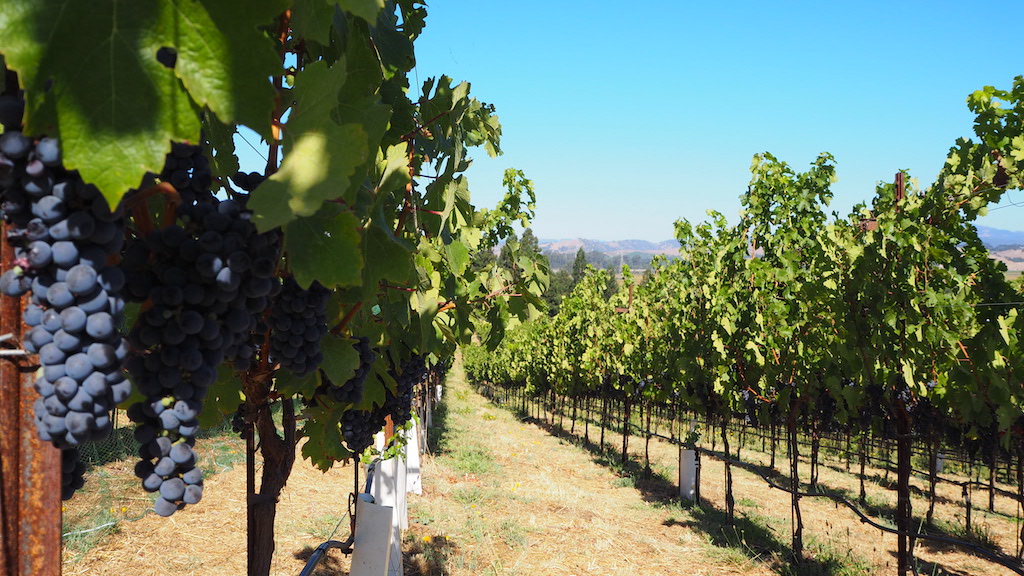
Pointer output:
627, 412
794, 485
815, 449
904, 521
863, 463
1020, 494
278, 454
933, 464
647, 442
575, 402
730, 501
604, 414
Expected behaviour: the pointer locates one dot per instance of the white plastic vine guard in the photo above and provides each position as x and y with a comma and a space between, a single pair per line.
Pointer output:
371, 549
414, 482
389, 489
687, 474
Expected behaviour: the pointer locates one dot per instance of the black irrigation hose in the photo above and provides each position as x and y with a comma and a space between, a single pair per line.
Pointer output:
346, 546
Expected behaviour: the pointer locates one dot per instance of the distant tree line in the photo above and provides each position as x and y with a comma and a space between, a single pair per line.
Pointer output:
566, 270
635, 260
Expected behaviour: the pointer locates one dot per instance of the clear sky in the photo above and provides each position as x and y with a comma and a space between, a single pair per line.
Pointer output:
630, 115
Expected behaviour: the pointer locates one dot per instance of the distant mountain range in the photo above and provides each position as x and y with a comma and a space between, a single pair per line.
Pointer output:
996, 238
612, 248
1005, 245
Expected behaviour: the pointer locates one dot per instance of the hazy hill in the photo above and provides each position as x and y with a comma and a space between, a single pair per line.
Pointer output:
1005, 245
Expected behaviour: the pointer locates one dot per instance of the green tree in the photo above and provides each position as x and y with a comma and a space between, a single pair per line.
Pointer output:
579, 267
561, 285
529, 244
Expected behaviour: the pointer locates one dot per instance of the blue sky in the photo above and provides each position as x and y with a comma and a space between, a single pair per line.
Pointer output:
630, 115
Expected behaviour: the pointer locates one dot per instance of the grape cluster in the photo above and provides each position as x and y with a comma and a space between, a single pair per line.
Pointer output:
399, 404
351, 392
63, 235
358, 427
72, 472
187, 169
298, 323
208, 279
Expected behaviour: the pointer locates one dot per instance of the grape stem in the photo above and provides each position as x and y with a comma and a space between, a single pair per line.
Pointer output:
417, 130
284, 30
407, 203
348, 318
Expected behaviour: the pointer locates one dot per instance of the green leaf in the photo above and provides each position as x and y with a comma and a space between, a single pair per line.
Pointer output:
341, 359
316, 168
311, 19
223, 161
289, 384
224, 59
324, 445
223, 399
365, 9
316, 95
395, 168
91, 74
387, 257
325, 247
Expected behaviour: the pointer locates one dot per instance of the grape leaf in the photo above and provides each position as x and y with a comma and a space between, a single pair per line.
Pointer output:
311, 20
289, 384
224, 59
324, 445
386, 256
325, 247
316, 168
223, 399
365, 9
340, 359
116, 107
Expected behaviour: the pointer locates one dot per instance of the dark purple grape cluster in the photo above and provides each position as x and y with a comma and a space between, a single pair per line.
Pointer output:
399, 404
209, 279
72, 473
63, 233
351, 392
188, 170
358, 427
63, 236
298, 323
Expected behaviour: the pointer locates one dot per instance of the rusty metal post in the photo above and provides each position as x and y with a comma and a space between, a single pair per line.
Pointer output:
29, 468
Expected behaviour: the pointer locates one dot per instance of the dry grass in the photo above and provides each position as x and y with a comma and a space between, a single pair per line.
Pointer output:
506, 496
503, 496
835, 538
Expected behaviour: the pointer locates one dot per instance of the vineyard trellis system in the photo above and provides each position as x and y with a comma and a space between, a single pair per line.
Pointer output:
890, 323
536, 408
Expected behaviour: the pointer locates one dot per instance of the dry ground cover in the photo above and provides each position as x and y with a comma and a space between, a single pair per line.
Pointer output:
837, 542
500, 496
503, 496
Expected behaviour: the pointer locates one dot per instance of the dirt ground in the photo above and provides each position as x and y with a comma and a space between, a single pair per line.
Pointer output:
505, 496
